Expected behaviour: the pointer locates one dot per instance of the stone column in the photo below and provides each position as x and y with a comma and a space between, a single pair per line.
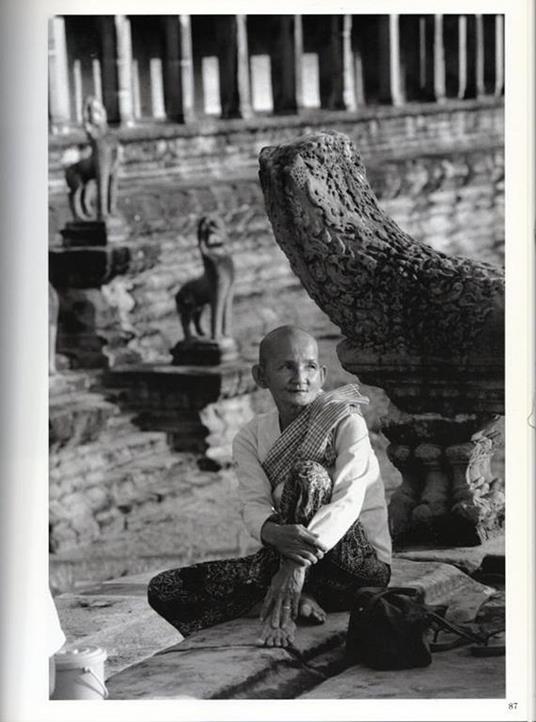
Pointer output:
331, 67
244, 94
78, 92
58, 78
499, 55
359, 74
439, 60
298, 60
172, 70
186, 69
479, 53
348, 68
97, 79
234, 68
110, 98
389, 61
284, 67
395, 61
422, 54
158, 108
462, 56
124, 69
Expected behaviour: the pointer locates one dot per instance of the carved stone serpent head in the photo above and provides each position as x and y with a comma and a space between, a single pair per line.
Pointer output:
393, 296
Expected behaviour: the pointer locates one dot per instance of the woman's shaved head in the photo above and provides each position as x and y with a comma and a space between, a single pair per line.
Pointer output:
274, 340
289, 368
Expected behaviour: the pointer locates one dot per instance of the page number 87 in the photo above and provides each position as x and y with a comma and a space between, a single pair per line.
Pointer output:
512, 705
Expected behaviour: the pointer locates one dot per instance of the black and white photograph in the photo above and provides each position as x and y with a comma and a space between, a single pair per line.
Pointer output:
288, 382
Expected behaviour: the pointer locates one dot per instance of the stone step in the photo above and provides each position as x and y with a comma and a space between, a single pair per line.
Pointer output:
241, 669
452, 675
467, 558
78, 418
160, 510
72, 381
115, 616
84, 503
83, 466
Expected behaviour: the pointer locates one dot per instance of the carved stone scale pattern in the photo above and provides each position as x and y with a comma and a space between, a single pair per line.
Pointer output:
386, 291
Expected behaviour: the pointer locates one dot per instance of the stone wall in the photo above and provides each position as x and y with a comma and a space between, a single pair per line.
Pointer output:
438, 170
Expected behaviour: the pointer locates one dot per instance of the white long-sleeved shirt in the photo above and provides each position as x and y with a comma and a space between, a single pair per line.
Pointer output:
357, 487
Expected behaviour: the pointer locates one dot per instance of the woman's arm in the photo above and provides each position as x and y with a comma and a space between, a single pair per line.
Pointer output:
292, 541
254, 488
356, 469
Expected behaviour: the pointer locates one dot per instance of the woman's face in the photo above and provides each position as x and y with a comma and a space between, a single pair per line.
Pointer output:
292, 371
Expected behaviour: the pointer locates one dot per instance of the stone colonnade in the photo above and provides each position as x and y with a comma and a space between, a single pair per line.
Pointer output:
180, 68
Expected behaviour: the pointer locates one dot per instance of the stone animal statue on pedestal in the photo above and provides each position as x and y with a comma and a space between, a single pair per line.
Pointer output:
92, 181
214, 288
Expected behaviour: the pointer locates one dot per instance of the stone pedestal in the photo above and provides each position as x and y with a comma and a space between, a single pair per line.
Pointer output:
93, 233
201, 409
443, 444
94, 325
201, 351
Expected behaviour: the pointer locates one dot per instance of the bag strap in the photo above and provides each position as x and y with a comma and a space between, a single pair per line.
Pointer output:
379, 592
445, 624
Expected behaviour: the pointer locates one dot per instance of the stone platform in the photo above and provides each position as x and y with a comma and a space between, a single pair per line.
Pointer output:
148, 660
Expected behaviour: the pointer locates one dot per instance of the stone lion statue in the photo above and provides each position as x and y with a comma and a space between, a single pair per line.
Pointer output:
92, 181
214, 288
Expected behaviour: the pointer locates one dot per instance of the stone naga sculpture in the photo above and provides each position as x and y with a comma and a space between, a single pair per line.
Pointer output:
426, 327
92, 181
214, 288
390, 294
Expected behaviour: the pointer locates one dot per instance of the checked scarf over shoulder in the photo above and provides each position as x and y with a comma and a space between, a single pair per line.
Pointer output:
308, 435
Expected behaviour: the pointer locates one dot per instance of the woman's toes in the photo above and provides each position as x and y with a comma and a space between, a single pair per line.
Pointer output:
312, 611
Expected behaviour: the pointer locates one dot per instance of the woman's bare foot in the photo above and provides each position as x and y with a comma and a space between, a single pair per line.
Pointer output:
277, 636
310, 610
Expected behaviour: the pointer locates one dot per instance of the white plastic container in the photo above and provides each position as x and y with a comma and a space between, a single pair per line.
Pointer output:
80, 674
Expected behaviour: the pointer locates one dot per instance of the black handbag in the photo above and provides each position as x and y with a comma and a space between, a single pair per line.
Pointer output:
389, 626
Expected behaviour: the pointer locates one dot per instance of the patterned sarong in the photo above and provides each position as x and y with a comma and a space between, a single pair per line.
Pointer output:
208, 593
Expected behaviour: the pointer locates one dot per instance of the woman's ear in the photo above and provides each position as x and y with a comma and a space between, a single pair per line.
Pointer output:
258, 374
323, 374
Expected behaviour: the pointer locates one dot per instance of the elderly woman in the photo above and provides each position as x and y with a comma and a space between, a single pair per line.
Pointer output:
311, 492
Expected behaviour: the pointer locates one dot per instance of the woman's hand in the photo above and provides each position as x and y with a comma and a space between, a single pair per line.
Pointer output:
294, 542
283, 597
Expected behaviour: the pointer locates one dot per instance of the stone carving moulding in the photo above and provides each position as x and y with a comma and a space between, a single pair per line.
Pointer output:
427, 327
